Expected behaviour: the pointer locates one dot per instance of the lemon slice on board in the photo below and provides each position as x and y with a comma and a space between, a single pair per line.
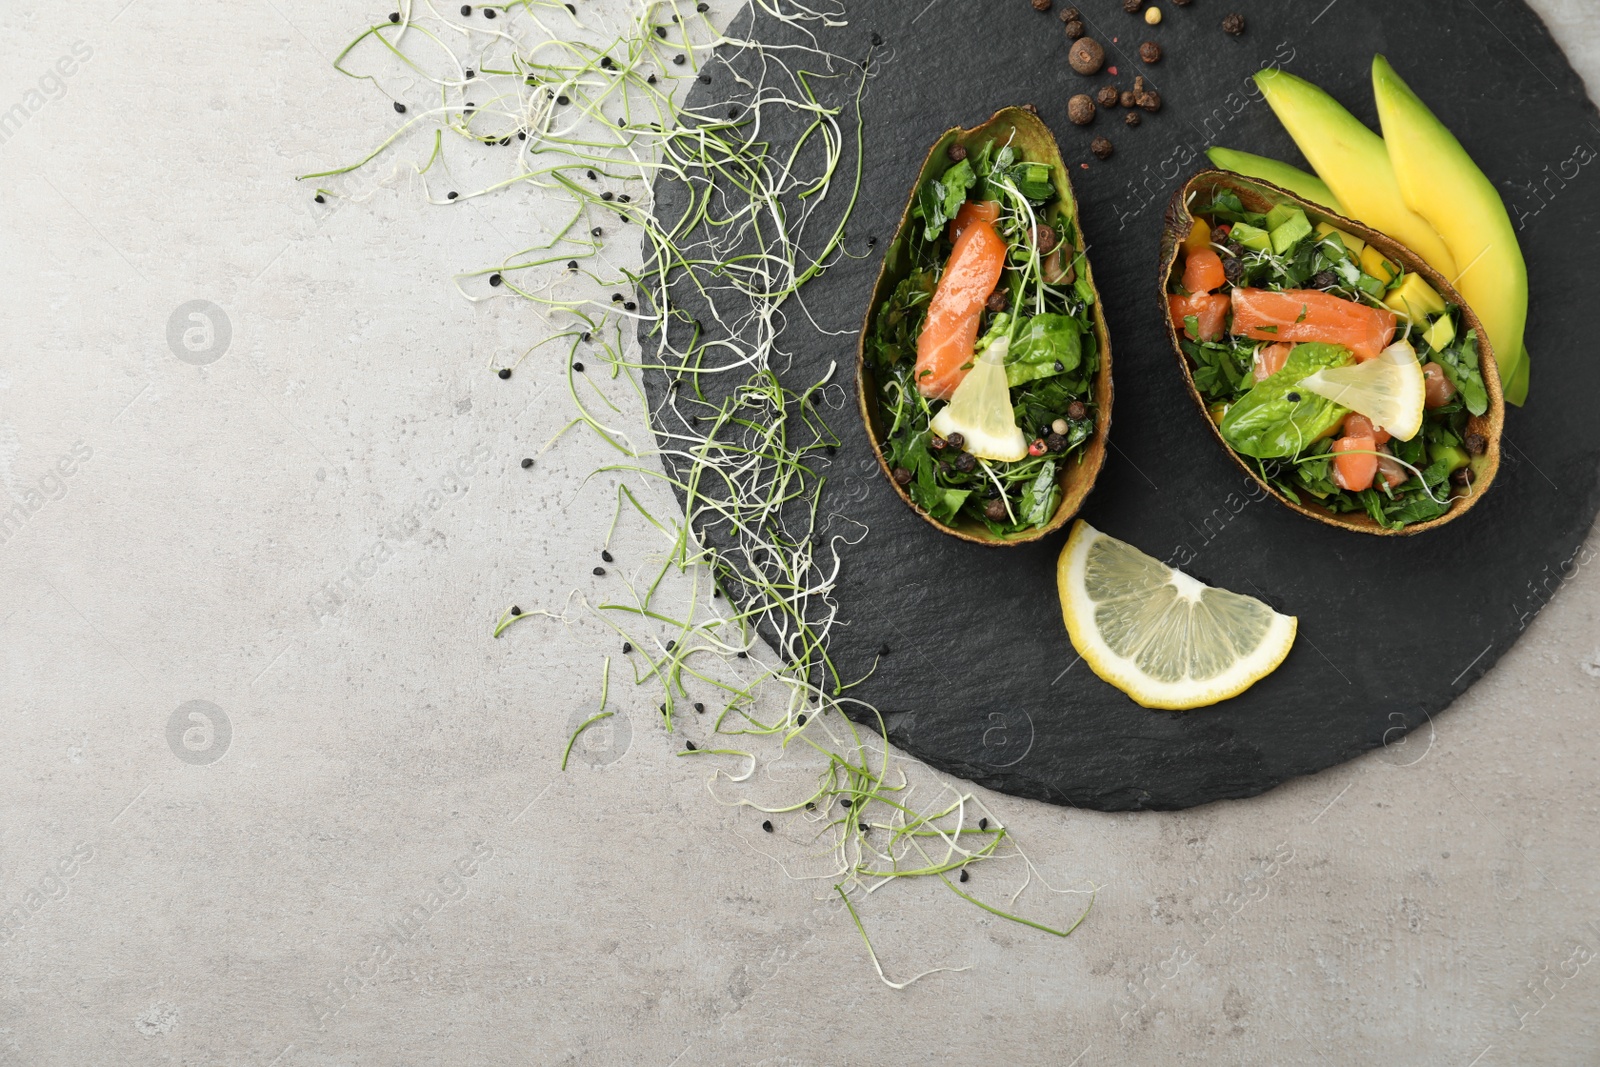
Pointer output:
1390, 390
1160, 636
980, 409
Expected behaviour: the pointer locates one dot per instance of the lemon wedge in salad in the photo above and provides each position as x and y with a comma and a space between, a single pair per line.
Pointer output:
980, 409
1160, 636
1389, 390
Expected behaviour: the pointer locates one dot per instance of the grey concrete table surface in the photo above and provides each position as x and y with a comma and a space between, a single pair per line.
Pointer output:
385, 866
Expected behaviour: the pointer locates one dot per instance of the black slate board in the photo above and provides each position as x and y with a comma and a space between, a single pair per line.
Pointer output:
981, 680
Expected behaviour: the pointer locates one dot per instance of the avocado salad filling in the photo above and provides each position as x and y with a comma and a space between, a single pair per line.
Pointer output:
1345, 380
985, 354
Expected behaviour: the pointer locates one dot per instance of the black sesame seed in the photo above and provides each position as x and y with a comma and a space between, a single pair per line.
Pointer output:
689, 745
587, 338
650, 80
526, 463
319, 199
624, 199
744, 655
877, 39
671, 645
578, 367
515, 610
733, 112
488, 12
599, 572
394, 16
983, 824
661, 31
505, 372
522, 135
494, 279
570, 8
883, 650
963, 875
627, 647
766, 824
572, 264
608, 195
399, 107
606, 556
451, 195
801, 720
845, 803
591, 176
616, 298
606, 64
630, 306
705, 79
702, 8
471, 74
699, 707
596, 232
678, 60
1293, 398
466, 9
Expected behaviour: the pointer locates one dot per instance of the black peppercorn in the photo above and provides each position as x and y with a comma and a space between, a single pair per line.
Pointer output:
1232, 267
1080, 109
995, 510
901, 476
1041, 5
957, 152
1102, 148
1132, 7
966, 462
1075, 29
1324, 279
1107, 97
1129, 98
937, 443
1150, 100
1071, 14
998, 300
956, 440
1055, 443
1463, 477
1087, 56
1131, 119
1077, 410
1476, 443
1150, 52
1233, 24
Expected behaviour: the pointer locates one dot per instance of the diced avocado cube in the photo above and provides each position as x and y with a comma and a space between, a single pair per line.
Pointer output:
1454, 457
1253, 238
1415, 299
1373, 263
1441, 334
1355, 244
1290, 234
1282, 214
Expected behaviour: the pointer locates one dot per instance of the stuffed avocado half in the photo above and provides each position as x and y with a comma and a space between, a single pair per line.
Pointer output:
1339, 369
984, 371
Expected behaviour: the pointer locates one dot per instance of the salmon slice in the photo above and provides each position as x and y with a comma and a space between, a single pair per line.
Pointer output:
951, 330
1209, 309
972, 211
1311, 315
1269, 360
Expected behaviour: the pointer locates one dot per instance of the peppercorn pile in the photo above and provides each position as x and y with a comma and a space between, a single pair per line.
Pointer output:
1087, 57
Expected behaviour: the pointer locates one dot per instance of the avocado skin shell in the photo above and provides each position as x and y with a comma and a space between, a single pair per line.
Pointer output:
1260, 196
1076, 478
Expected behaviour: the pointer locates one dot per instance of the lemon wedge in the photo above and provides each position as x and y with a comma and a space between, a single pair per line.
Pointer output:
1389, 390
1160, 636
980, 409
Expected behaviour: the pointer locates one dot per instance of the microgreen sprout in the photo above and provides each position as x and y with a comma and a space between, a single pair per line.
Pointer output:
737, 204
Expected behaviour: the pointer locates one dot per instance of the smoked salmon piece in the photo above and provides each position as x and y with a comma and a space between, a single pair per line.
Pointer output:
1269, 360
948, 336
972, 211
1312, 315
1209, 309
